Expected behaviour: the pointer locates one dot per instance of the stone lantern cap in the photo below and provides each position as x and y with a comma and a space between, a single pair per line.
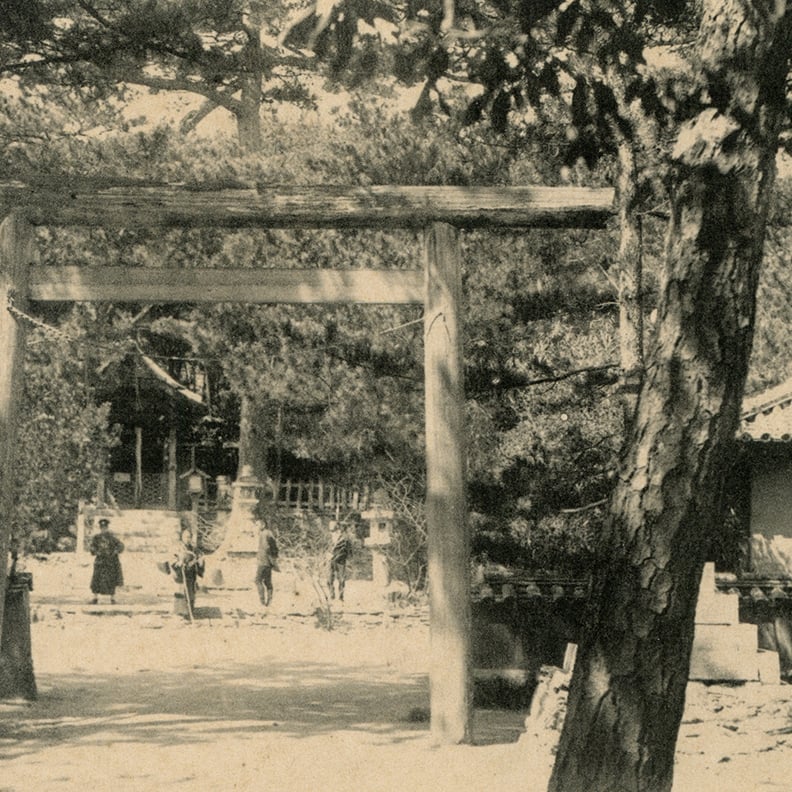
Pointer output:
246, 476
378, 513
380, 521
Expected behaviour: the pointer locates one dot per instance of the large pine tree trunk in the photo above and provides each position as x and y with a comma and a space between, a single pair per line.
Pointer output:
631, 326
627, 694
253, 439
249, 113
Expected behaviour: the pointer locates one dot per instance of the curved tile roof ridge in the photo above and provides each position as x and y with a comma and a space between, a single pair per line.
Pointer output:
767, 400
177, 386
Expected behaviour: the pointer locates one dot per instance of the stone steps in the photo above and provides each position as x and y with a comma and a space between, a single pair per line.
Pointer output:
146, 530
723, 648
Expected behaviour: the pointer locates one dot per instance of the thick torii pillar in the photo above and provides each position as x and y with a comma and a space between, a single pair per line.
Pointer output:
16, 253
446, 507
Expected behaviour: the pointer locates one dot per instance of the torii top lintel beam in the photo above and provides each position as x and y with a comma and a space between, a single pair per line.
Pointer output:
95, 203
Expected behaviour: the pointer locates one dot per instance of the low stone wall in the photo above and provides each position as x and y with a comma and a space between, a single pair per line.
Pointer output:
773, 618
519, 626
517, 633
521, 623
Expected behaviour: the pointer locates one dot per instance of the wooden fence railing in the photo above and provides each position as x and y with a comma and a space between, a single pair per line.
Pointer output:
319, 494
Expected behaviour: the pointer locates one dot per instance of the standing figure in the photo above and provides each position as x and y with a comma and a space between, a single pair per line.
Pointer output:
186, 566
107, 573
266, 561
340, 550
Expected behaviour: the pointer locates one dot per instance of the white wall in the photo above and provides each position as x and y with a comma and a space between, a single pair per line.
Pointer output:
771, 518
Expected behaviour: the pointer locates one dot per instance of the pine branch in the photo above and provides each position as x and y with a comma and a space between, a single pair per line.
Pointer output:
514, 381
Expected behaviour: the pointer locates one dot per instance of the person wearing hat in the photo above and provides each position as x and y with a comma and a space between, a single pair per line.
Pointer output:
340, 550
186, 566
107, 573
266, 561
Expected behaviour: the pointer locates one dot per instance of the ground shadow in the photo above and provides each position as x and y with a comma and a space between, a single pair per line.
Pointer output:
161, 707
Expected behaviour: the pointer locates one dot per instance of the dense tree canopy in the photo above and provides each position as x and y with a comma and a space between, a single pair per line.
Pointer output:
341, 388
226, 53
65, 437
533, 427
531, 91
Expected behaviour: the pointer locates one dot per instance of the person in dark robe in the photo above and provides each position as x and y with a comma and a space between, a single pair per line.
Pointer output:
107, 573
186, 566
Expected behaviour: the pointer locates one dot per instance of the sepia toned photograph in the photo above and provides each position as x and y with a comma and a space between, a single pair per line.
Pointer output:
395, 395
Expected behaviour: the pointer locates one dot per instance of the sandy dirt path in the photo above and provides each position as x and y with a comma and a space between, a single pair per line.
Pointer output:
136, 699
147, 703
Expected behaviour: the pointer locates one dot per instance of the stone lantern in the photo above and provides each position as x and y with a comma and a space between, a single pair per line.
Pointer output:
224, 493
195, 486
231, 560
380, 525
241, 536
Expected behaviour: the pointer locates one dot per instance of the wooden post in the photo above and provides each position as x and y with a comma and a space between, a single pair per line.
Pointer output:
16, 253
172, 469
446, 510
17, 679
138, 466
79, 546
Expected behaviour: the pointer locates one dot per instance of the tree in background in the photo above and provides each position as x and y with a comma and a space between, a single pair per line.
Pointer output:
772, 347
64, 441
406, 553
723, 115
521, 68
724, 118
226, 53
304, 539
340, 388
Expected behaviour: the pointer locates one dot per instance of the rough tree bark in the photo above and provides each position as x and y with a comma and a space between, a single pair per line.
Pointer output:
251, 453
631, 326
248, 116
627, 694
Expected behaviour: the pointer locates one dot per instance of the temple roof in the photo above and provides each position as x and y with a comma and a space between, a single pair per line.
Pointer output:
172, 383
767, 416
143, 393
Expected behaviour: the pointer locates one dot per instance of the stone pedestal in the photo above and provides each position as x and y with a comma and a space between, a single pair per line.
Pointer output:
232, 565
16, 657
241, 536
380, 574
723, 649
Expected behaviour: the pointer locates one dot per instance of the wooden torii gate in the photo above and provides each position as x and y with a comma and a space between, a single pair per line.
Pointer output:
439, 212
